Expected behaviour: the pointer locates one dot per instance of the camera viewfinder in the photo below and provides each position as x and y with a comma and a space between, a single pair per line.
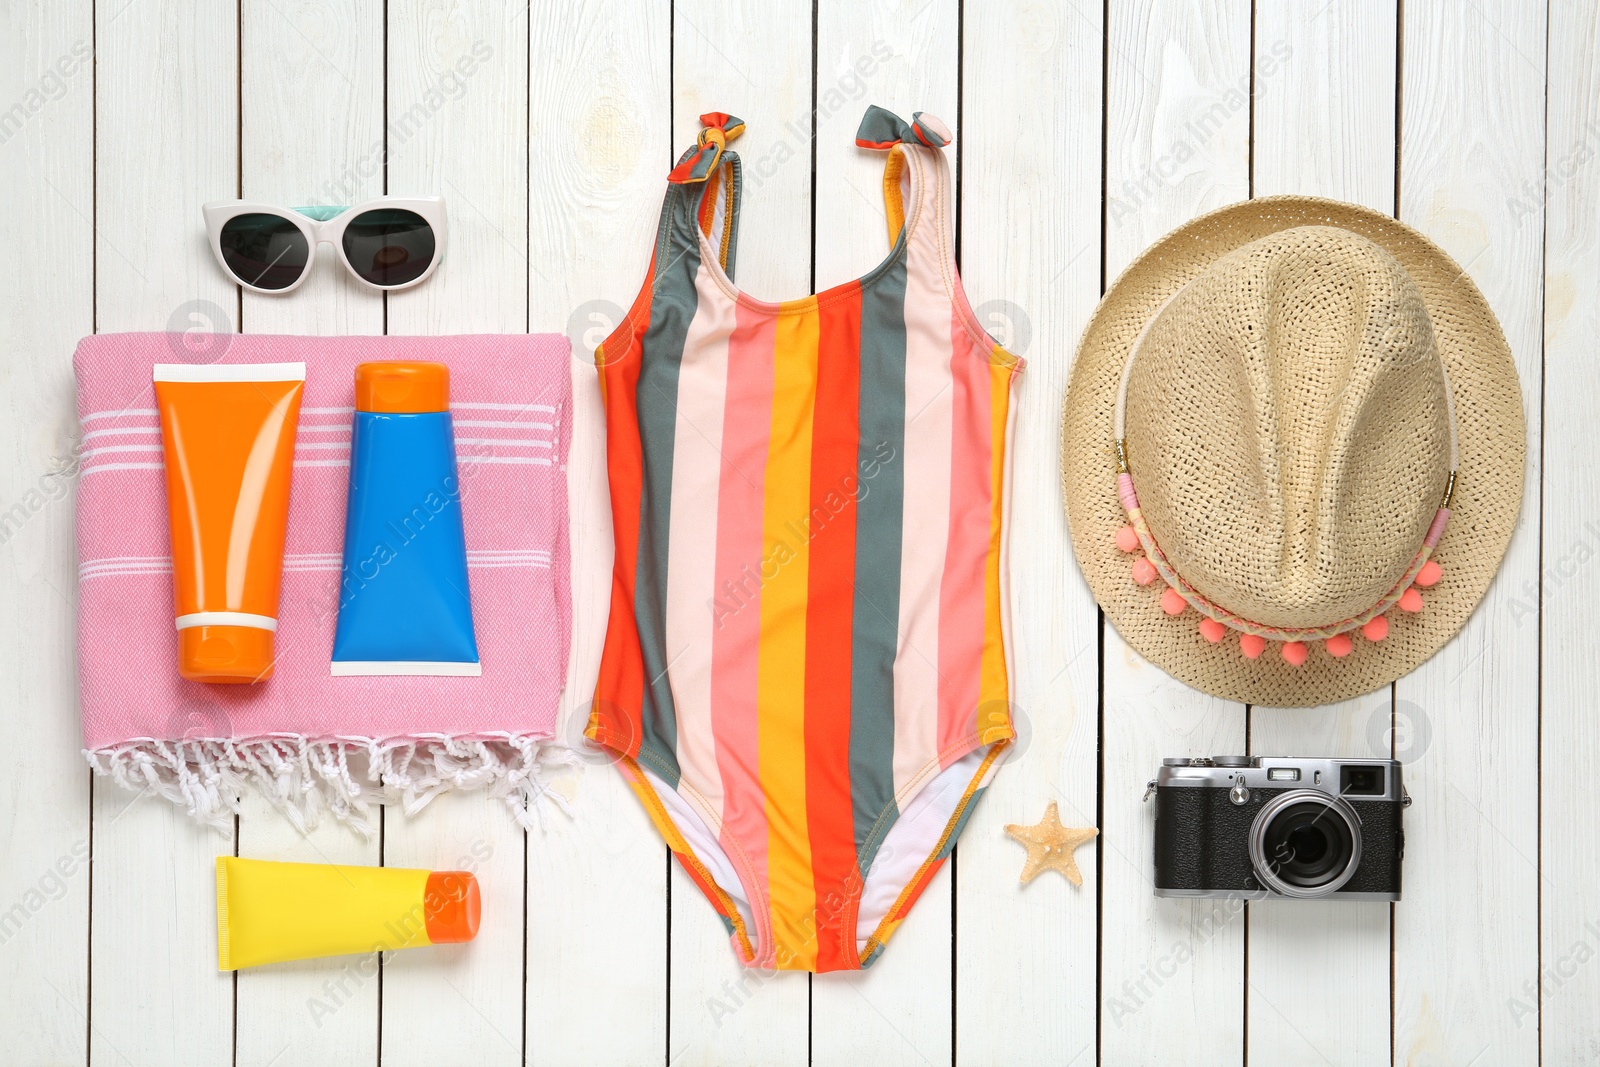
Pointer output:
1361, 781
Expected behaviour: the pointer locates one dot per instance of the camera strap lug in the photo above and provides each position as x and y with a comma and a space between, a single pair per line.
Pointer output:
1149, 791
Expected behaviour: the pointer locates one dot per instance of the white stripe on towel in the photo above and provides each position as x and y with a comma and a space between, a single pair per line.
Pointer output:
111, 430
86, 453
537, 461
503, 424
117, 414
481, 406
537, 442
95, 468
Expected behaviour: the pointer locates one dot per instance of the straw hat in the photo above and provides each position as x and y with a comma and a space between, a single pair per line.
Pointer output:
1292, 451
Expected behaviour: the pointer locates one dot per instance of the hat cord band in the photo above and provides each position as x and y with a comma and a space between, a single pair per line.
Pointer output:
1197, 600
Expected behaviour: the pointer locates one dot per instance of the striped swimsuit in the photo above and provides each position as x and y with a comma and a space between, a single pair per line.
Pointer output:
805, 670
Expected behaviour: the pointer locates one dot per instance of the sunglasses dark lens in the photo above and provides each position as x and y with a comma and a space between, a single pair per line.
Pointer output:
265, 251
390, 246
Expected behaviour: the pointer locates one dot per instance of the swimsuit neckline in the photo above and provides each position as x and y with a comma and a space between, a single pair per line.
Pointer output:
801, 304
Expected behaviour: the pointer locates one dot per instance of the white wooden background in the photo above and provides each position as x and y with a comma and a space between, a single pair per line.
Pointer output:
1084, 132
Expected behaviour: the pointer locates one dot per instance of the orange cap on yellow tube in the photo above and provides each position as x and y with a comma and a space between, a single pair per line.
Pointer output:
269, 912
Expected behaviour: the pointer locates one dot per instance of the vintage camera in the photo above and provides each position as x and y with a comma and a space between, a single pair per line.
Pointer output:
1269, 826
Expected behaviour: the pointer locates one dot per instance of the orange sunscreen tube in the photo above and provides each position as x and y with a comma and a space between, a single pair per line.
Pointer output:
227, 431
271, 912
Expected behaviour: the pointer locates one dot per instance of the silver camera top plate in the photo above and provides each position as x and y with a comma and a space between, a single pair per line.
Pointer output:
1282, 772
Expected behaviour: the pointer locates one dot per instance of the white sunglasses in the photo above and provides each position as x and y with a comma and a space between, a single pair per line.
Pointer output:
392, 242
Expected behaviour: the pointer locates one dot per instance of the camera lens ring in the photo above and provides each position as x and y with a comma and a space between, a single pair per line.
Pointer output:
1263, 824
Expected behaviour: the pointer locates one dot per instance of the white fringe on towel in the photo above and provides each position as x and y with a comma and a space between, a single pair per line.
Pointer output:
302, 777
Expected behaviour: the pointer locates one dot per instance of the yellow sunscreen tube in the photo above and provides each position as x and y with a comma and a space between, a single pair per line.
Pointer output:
227, 432
270, 912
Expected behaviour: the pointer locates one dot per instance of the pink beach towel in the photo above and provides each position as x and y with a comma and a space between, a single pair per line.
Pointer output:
308, 740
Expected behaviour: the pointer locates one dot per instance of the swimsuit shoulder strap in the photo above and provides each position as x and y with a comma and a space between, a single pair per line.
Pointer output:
703, 193
916, 178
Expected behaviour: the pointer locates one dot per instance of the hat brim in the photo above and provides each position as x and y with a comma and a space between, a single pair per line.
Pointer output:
1489, 482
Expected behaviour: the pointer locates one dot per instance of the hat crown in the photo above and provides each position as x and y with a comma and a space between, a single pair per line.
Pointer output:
1288, 426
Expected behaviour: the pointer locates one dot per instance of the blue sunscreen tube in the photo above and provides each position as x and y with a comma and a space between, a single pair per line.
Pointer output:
404, 604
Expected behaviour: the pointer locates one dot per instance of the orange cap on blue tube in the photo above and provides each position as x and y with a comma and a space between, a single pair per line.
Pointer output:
402, 387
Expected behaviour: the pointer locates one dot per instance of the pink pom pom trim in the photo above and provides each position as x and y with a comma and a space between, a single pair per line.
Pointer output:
1179, 595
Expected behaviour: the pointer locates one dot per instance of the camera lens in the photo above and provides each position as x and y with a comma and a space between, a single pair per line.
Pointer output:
1305, 843
1308, 844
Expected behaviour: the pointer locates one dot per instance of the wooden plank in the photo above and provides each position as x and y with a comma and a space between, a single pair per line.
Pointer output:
752, 59
458, 126
905, 58
1325, 90
1030, 258
597, 882
311, 103
1311, 141
166, 141
1167, 966
1472, 139
1568, 987
46, 170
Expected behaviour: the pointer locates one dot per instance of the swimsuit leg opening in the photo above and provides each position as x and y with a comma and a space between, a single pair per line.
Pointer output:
905, 863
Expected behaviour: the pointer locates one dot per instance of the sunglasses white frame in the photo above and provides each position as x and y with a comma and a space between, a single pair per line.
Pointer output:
326, 231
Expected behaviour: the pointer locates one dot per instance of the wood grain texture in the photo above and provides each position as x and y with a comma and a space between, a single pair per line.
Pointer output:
1178, 134
457, 126
166, 136
46, 171
311, 99
599, 148
1472, 132
1167, 966
1569, 982
753, 60
1030, 261
1324, 126
1325, 83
